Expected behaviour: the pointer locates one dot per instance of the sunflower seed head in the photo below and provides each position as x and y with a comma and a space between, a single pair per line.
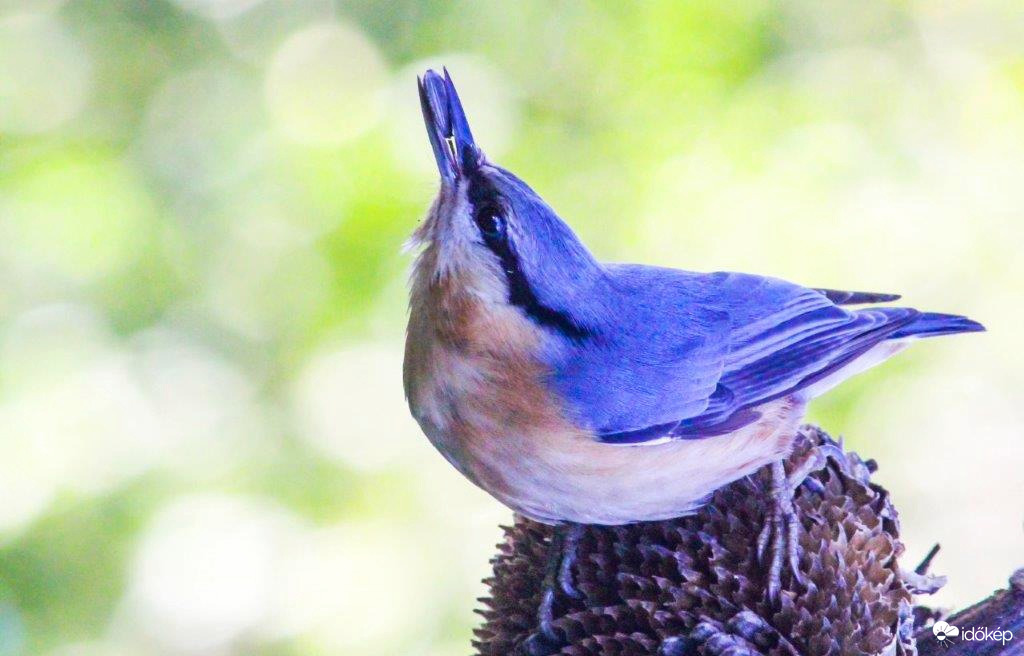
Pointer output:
694, 586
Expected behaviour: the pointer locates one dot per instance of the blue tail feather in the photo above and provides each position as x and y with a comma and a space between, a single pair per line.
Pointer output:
931, 324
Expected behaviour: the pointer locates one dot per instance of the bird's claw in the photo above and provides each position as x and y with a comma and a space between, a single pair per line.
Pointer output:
565, 582
561, 558
677, 646
568, 559
541, 644
814, 485
544, 641
781, 532
815, 460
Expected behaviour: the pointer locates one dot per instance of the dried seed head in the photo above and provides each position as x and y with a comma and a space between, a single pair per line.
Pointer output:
694, 585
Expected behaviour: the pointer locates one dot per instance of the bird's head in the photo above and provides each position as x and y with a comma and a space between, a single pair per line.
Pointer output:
488, 230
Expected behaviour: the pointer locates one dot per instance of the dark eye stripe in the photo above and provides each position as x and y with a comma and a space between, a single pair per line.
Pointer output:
485, 201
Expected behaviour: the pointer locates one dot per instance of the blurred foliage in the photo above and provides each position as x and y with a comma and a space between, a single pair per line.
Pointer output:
203, 444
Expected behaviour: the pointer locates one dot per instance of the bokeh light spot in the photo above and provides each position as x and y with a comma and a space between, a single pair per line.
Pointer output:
80, 216
204, 573
45, 74
217, 9
254, 34
349, 405
354, 571
199, 132
324, 84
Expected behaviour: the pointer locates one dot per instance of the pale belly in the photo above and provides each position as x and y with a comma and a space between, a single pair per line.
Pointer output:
571, 477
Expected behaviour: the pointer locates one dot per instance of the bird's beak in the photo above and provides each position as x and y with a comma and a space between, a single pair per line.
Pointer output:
454, 149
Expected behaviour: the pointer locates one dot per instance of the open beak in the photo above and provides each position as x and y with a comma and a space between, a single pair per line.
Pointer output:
454, 149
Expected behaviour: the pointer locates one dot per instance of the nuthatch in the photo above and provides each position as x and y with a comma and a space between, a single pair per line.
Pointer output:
578, 392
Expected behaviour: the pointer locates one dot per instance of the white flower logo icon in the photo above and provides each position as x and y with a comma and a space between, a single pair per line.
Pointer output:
945, 632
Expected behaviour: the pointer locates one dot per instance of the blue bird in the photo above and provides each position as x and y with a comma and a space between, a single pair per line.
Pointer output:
578, 392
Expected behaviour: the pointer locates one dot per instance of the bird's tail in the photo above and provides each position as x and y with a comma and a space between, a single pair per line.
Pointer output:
931, 324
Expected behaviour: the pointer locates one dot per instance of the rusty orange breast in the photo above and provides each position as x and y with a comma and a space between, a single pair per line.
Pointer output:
474, 382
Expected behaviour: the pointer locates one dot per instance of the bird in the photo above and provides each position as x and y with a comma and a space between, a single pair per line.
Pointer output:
579, 392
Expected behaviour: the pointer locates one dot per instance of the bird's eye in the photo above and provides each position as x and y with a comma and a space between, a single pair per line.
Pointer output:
491, 222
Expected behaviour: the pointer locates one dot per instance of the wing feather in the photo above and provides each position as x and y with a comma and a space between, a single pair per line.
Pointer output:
840, 297
693, 355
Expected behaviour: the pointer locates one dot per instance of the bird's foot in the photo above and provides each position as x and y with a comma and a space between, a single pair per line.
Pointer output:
569, 548
545, 640
745, 634
814, 460
561, 558
778, 540
778, 544
677, 646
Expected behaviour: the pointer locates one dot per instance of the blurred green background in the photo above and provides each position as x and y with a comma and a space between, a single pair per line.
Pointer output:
203, 443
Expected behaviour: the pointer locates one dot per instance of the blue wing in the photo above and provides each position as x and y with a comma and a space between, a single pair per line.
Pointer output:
691, 355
